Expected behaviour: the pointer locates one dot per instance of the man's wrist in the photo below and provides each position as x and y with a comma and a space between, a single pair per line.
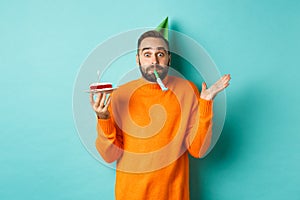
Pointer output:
103, 116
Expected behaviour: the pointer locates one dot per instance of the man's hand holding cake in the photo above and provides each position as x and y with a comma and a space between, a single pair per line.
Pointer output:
100, 105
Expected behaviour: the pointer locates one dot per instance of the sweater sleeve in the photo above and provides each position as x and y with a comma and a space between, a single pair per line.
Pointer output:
109, 142
199, 135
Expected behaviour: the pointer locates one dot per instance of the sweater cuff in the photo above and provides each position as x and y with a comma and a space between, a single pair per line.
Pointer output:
205, 107
106, 125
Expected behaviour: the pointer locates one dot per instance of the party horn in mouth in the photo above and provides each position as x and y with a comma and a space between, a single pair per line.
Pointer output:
160, 83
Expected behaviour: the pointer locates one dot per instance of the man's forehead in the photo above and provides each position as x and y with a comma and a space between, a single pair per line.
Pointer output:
153, 43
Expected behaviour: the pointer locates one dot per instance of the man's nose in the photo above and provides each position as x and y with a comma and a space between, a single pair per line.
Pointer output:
154, 59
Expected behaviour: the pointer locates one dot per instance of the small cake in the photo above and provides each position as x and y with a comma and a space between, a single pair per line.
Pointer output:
100, 86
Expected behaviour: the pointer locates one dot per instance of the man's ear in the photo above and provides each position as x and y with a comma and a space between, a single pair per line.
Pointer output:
137, 60
169, 63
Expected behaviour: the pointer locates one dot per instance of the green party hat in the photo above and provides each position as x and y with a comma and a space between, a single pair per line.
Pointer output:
164, 28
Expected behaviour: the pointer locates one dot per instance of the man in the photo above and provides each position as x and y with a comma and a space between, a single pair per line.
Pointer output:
149, 132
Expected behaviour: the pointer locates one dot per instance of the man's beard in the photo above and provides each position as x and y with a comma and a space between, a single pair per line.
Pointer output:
162, 72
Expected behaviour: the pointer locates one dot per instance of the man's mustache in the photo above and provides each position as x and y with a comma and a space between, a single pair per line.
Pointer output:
151, 67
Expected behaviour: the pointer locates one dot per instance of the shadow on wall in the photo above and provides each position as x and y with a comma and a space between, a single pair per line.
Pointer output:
221, 153
180, 64
242, 112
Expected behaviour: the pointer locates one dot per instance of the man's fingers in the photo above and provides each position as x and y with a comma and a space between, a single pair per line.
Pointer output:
107, 102
221, 84
92, 99
227, 77
204, 86
224, 80
103, 100
97, 103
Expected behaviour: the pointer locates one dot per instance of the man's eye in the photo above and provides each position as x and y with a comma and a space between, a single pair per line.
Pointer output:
147, 54
160, 54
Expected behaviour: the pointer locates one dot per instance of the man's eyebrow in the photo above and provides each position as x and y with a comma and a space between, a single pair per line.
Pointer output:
146, 48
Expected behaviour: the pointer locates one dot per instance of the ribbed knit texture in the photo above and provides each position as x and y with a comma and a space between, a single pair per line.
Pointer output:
150, 134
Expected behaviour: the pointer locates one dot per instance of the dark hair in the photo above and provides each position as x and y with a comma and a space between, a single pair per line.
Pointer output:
153, 34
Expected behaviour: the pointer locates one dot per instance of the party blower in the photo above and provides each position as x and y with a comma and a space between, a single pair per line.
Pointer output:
160, 83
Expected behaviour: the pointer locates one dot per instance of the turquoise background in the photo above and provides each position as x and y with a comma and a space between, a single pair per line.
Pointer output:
43, 45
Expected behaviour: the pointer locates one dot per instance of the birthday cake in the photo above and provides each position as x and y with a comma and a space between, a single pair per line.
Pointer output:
100, 86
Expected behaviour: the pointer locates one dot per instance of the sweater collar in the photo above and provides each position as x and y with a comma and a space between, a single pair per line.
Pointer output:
152, 86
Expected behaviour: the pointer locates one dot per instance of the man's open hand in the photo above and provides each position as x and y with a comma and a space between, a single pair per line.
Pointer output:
210, 93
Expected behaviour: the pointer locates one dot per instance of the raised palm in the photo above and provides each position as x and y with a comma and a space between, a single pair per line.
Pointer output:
210, 93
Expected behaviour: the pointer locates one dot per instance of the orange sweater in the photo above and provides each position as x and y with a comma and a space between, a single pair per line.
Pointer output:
150, 133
